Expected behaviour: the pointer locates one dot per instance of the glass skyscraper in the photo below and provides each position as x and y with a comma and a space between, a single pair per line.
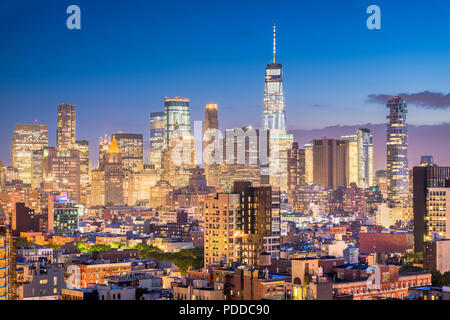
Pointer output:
66, 127
274, 119
397, 152
131, 146
157, 138
27, 139
178, 117
365, 158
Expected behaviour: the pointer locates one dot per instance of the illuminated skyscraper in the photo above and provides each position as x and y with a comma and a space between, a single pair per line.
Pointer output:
66, 127
352, 163
157, 138
360, 158
211, 117
178, 117
365, 158
37, 173
27, 138
274, 119
114, 176
131, 146
82, 147
103, 147
330, 162
296, 169
431, 188
274, 109
63, 168
397, 152
211, 124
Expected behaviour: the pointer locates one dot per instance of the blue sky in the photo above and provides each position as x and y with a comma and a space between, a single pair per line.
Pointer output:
130, 54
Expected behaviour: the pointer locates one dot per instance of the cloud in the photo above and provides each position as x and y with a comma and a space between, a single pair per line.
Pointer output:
425, 99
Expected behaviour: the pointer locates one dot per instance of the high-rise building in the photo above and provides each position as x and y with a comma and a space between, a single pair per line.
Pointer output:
27, 139
360, 158
97, 196
245, 156
114, 175
254, 221
296, 169
352, 163
309, 163
63, 168
397, 152
82, 146
220, 214
365, 158
65, 135
37, 169
211, 127
274, 119
330, 162
131, 146
178, 117
157, 138
103, 147
431, 207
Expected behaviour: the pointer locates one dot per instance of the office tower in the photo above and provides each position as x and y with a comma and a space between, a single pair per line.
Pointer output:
140, 184
103, 147
397, 152
309, 163
274, 109
330, 162
211, 117
365, 158
178, 117
296, 168
131, 146
37, 169
65, 215
27, 138
245, 156
352, 164
97, 197
63, 168
220, 213
360, 158
254, 221
431, 193
210, 132
82, 146
65, 135
114, 175
157, 138
274, 119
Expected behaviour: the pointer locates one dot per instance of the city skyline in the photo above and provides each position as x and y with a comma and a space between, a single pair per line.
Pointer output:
175, 169
104, 92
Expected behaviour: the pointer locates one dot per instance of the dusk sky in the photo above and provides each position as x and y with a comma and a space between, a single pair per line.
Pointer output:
129, 55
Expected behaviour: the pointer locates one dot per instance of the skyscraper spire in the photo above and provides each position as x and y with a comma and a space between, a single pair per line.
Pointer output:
274, 42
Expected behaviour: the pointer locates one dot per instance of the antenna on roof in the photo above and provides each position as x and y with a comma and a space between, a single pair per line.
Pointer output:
274, 42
